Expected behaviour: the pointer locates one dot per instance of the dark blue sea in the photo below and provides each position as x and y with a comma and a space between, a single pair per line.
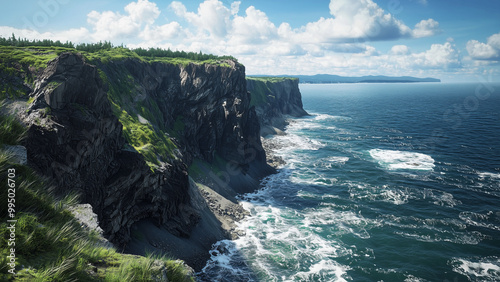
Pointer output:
383, 182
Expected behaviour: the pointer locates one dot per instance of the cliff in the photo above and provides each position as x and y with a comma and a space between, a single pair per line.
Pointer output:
122, 131
159, 149
275, 98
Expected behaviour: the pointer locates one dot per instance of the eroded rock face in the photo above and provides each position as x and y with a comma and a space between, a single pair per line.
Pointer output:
212, 105
283, 99
67, 80
76, 140
211, 102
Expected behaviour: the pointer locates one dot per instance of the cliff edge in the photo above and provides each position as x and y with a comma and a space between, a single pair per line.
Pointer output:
275, 98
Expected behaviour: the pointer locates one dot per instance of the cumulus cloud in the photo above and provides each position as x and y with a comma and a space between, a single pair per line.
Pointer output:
485, 51
426, 28
399, 50
254, 27
440, 56
356, 20
110, 25
156, 34
212, 17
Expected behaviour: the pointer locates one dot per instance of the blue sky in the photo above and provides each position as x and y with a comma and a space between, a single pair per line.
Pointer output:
452, 40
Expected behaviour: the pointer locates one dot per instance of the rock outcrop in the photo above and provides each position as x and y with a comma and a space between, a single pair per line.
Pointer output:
276, 98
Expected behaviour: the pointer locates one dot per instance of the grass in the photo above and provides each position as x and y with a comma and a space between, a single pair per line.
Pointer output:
153, 143
12, 131
272, 79
37, 57
50, 245
261, 93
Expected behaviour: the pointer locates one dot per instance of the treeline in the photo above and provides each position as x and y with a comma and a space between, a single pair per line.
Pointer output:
106, 45
20, 42
159, 52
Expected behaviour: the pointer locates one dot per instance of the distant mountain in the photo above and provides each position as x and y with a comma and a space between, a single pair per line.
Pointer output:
329, 78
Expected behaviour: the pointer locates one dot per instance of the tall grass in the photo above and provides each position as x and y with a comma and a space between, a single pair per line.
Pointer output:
11, 131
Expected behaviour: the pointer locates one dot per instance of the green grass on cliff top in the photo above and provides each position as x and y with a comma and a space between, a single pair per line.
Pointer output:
39, 56
50, 245
271, 79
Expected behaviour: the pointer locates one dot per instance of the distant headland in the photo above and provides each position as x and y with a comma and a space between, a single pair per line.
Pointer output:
329, 78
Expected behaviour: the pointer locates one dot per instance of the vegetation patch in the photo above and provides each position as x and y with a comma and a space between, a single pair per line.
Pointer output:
153, 144
262, 93
271, 79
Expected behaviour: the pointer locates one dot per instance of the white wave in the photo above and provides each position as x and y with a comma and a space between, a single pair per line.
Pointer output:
302, 124
316, 180
421, 233
324, 270
384, 193
339, 160
480, 220
394, 160
490, 175
321, 117
225, 263
292, 142
483, 269
284, 238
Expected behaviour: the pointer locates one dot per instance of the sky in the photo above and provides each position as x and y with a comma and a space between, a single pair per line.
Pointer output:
454, 40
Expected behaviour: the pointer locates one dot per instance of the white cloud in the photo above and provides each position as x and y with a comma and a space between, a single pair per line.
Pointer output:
235, 7
157, 34
400, 50
426, 28
110, 25
143, 11
355, 20
440, 56
254, 28
212, 17
485, 51
399, 60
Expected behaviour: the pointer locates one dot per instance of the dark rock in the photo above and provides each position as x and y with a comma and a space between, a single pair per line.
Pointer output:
281, 99
80, 145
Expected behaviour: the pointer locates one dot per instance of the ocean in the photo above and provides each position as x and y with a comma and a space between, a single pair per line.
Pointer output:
382, 182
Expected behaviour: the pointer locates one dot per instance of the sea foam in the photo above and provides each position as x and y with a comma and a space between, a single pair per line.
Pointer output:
395, 160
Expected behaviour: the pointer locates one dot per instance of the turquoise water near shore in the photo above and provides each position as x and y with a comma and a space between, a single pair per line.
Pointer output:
392, 182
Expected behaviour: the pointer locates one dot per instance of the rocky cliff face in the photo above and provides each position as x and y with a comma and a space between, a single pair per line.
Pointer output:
275, 98
76, 139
